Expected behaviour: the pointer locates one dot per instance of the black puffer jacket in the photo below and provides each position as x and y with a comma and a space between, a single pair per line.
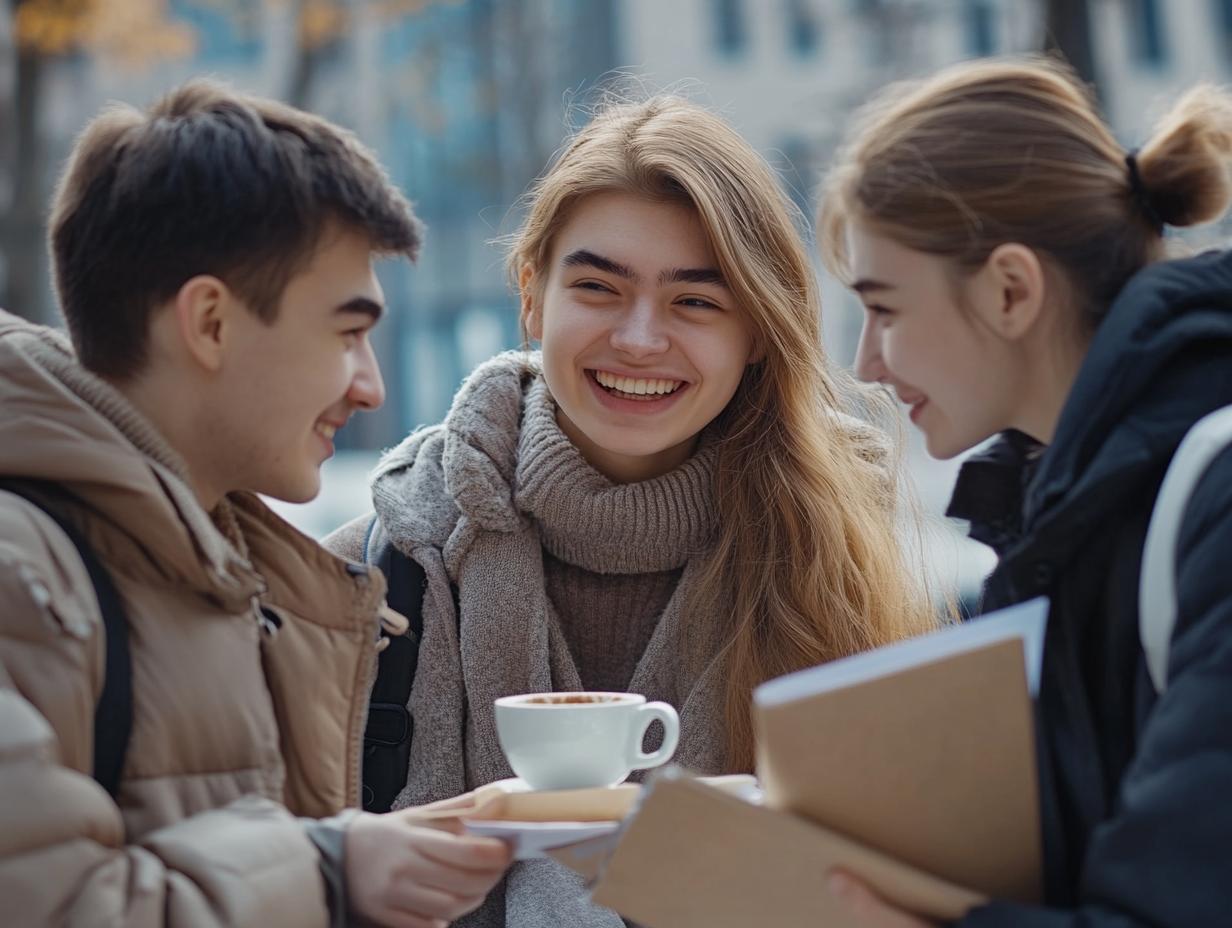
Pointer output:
1136, 791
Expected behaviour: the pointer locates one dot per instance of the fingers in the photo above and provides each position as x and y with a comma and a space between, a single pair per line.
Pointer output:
465, 852
406, 876
869, 909
453, 880
427, 902
450, 824
444, 875
394, 919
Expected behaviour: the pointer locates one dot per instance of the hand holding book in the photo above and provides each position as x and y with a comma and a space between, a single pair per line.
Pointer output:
867, 908
910, 770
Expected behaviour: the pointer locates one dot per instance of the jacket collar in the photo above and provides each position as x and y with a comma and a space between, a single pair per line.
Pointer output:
1136, 394
128, 491
990, 488
300, 576
1148, 375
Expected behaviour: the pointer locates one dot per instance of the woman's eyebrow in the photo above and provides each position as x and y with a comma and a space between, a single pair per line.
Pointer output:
693, 275
583, 258
867, 285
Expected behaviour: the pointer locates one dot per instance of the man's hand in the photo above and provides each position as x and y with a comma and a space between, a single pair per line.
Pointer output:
402, 875
867, 907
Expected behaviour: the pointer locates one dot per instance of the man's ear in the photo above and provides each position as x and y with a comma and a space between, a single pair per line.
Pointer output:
204, 308
1008, 291
531, 312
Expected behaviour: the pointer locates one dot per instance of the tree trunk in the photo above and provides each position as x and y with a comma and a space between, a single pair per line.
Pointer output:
22, 235
1067, 29
299, 89
310, 52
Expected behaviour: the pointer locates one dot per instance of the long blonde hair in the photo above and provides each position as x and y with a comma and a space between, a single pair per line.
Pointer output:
1013, 150
807, 566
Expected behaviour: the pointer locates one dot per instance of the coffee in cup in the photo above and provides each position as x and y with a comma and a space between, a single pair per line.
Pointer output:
578, 740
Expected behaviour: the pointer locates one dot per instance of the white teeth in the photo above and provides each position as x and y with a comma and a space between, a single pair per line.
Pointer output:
326, 430
638, 386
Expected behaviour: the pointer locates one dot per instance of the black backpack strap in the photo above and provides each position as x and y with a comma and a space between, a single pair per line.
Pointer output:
387, 738
113, 716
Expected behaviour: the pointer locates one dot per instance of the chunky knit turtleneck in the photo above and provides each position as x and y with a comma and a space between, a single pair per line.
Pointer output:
489, 502
613, 553
606, 527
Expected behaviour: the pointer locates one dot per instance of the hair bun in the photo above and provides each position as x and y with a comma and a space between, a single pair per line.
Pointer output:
1183, 170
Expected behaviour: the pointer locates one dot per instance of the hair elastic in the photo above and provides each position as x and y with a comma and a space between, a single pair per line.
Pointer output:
1138, 191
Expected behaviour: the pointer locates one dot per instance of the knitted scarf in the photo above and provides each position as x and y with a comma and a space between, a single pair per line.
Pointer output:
475, 500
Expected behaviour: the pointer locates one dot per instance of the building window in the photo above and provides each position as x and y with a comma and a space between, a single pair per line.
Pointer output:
798, 169
803, 27
730, 31
980, 27
1223, 16
1148, 34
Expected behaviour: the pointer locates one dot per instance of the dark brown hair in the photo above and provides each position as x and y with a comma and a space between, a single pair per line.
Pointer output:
998, 151
206, 181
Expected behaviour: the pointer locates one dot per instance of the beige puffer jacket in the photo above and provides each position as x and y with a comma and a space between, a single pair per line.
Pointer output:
238, 727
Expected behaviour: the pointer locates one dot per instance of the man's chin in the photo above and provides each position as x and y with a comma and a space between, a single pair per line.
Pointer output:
298, 491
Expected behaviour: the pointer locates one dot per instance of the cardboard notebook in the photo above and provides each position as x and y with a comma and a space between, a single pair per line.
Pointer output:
913, 766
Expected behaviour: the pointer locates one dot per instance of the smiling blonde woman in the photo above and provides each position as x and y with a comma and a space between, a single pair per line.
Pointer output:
667, 499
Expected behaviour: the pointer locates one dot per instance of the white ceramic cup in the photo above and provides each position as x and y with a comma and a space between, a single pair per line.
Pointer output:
576, 740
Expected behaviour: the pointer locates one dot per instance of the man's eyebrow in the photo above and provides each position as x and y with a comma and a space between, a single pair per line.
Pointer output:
362, 305
693, 275
584, 258
867, 285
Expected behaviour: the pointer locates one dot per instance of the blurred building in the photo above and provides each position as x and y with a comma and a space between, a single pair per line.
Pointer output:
466, 101
788, 73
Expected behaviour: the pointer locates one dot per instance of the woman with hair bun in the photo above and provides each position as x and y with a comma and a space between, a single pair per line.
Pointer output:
668, 498
1010, 257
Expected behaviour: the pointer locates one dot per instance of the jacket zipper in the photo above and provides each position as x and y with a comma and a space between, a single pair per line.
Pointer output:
365, 677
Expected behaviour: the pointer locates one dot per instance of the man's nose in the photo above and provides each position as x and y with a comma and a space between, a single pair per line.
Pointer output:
367, 388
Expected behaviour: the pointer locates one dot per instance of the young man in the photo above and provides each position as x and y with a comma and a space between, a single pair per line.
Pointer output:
213, 262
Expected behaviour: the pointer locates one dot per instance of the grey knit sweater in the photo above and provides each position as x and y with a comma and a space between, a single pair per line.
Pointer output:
606, 589
565, 581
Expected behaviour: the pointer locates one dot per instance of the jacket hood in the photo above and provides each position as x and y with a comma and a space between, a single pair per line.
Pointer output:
1158, 362
1155, 366
64, 425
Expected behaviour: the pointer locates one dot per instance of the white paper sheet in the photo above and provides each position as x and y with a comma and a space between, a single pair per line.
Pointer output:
1024, 620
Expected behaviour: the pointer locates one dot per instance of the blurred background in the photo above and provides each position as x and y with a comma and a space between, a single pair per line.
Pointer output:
466, 100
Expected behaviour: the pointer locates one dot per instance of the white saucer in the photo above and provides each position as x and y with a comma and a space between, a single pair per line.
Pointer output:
534, 839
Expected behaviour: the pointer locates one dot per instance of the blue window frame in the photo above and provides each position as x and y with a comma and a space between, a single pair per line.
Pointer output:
731, 32
1149, 44
981, 27
1223, 19
803, 27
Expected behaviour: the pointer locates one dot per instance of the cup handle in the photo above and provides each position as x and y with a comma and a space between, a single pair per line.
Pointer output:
648, 713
